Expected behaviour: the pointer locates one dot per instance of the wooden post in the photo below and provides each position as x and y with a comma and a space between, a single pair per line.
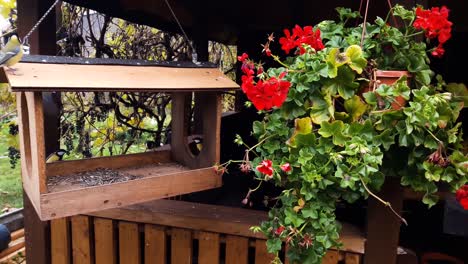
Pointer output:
42, 41
383, 227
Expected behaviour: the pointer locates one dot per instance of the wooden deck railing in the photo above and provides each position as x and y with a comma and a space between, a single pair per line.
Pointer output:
176, 232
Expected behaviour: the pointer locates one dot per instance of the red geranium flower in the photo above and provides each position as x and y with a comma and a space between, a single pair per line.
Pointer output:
279, 230
265, 167
462, 196
438, 52
299, 37
243, 57
435, 23
286, 167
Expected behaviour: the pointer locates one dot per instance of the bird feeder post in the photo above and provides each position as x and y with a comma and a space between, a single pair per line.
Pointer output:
210, 104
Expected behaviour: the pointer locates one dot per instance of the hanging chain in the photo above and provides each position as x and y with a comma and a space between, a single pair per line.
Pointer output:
194, 52
26, 38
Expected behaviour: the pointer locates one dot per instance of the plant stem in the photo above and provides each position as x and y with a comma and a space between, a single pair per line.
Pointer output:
414, 34
430, 133
382, 201
260, 142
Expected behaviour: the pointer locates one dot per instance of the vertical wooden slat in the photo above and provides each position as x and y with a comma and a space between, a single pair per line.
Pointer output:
332, 257
129, 243
237, 249
155, 244
60, 241
208, 248
104, 241
352, 258
261, 254
181, 246
81, 244
286, 260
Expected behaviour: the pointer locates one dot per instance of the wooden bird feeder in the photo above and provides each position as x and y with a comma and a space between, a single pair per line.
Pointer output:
158, 174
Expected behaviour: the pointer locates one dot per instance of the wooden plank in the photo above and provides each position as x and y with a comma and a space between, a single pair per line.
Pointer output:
211, 116
69, 77
208, 248
181, 246
14, 257
237, 249
261, 254
12, 247
202, 217
352, 258
89, 199
383, 227
60, 241
155, 244
36, 233
81, 240
111, 162
129, 243
332, 257
17, 234
104, 241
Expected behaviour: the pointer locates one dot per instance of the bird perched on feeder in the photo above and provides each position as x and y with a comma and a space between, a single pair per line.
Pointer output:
196, 145
11, 53
56, 156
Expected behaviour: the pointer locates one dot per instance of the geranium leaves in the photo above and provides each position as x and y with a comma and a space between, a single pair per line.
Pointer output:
355, 107
335, 130
357, 61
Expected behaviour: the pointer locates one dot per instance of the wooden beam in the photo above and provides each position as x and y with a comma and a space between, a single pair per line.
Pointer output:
383, 227
42, 41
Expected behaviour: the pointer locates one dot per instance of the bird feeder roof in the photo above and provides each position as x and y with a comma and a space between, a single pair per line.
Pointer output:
50, 73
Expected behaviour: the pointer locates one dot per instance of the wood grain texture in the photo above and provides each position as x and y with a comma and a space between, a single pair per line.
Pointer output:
202, 217
181, 246
155, 244
237, 249
210, 107
60, 241
81, 240
332, 257
68, 77
208, 248
261, 254
351, 258
129, 243
105, 246
89, 199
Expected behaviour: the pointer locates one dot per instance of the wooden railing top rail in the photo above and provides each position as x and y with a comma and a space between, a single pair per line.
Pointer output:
211, 218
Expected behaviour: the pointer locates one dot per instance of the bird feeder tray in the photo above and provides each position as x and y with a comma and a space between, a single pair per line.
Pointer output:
65, 188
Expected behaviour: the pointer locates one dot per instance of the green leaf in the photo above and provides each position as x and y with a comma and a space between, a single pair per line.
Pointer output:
335, 130
355, 107
459, 92
302, 126
319, 111
335, 59
273, 245
357, 61
344, 83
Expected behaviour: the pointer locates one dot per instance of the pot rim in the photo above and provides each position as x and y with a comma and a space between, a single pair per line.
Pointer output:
392, 73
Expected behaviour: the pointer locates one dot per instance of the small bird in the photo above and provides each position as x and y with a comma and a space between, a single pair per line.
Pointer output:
196, 145
56, 156
11, 53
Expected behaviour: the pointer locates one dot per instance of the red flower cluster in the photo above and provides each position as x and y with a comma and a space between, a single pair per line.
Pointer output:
279, 230
265, 167
286, 167
436, 24
462, 196
301, 36
264, 94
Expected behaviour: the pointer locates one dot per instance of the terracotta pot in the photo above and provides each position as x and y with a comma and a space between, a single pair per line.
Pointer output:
389, 78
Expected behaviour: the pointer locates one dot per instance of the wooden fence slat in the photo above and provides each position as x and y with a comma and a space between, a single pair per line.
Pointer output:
237, 250
104, 241
261, 254
208, 248
181, 246
81, 245
155, 244
129, 243
332, 257
60, 241
352, 258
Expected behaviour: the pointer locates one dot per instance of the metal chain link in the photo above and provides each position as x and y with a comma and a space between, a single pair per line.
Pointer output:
26, 38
